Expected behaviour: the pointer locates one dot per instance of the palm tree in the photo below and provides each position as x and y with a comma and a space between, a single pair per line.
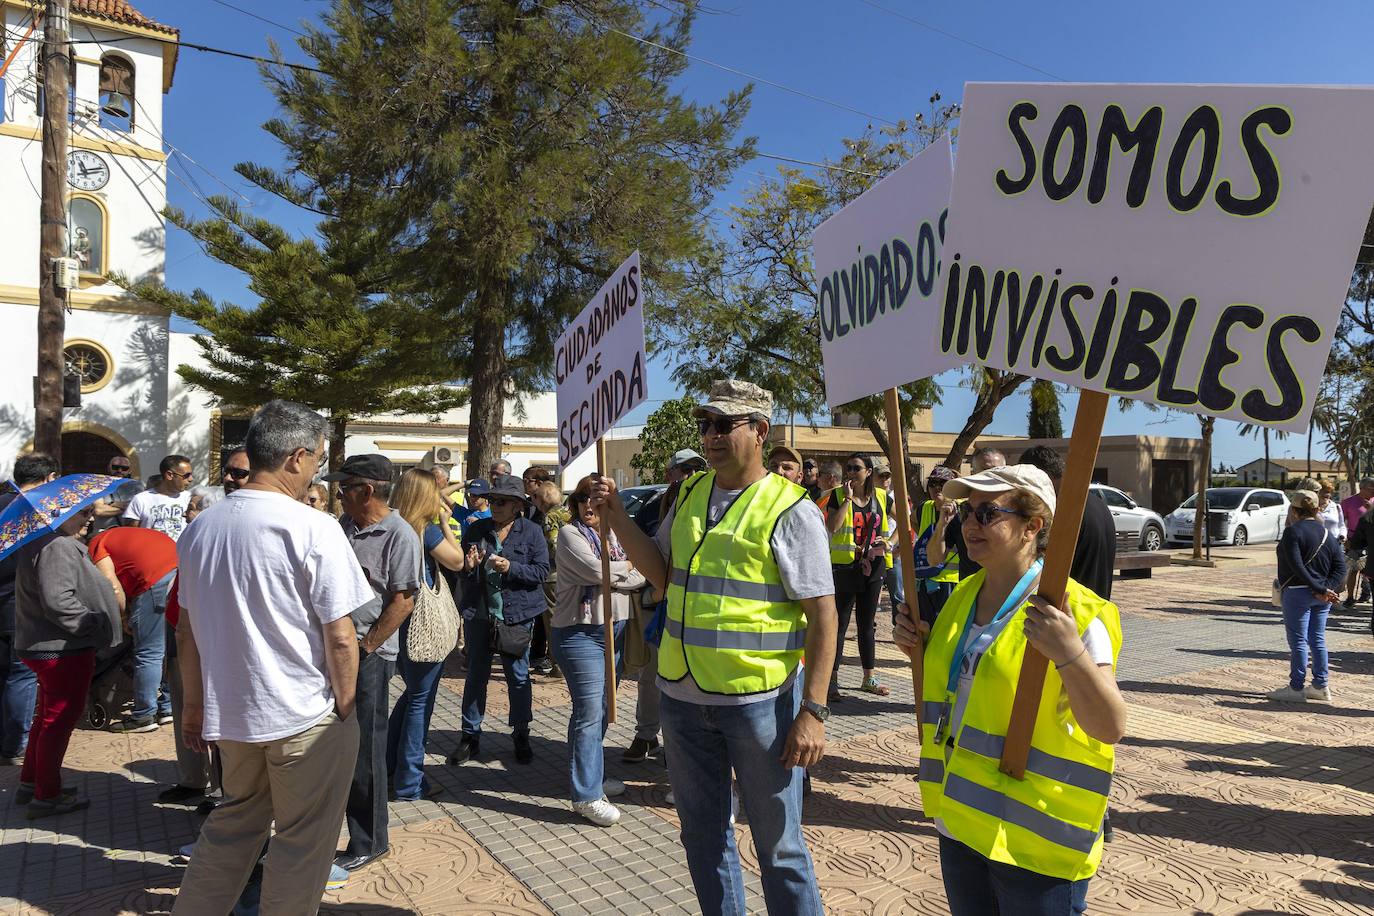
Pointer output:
1249, 429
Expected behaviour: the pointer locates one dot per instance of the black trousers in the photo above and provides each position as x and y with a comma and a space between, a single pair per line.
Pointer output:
366, 814
857, 596
539, 642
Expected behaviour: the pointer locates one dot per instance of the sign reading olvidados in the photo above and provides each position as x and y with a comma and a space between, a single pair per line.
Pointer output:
1186, 245
877, 265
599, 362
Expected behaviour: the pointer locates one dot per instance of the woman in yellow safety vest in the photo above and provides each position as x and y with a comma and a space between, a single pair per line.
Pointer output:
1025, 846
856, 514
937, 559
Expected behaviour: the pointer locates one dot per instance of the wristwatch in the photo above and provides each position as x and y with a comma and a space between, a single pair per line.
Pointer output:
816, 709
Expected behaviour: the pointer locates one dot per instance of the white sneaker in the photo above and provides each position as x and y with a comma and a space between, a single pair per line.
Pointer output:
1286, 694
611, 787
1313, 692
670, 798
600, 812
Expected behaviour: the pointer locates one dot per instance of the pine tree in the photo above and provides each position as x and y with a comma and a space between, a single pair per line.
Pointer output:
513, 152
325, 332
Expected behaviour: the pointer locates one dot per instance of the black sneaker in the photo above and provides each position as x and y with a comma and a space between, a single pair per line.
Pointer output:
132, 726
180, 795
542, 665
65, 803
205, 807
467, 750
640, 749
523, 752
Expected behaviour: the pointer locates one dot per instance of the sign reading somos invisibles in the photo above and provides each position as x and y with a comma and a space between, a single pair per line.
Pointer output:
1186, 245
599, 362
877, 267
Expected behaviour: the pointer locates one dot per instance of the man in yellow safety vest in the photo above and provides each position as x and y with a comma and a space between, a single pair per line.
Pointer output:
744, 558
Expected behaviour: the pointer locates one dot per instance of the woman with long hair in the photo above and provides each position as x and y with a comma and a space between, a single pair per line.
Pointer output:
856, 514
1311, 570
579, 644
418, 499
1016, 845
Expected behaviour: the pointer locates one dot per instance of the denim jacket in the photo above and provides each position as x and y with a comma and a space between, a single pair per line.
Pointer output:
523, 586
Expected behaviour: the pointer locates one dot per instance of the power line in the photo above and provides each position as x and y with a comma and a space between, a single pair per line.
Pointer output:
728, 69
208, 49
972, 44
259, 18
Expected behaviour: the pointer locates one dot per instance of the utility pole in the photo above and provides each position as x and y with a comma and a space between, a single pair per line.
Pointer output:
52, 238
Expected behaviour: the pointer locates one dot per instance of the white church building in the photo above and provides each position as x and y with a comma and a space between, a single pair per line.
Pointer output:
132, 401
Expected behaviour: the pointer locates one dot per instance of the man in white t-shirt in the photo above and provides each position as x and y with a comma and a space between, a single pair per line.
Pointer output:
268, 585
163, 507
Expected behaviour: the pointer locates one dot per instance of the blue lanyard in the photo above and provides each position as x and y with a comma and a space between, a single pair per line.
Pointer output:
1014, 601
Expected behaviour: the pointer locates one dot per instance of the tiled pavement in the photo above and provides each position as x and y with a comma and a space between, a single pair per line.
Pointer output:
1223, 803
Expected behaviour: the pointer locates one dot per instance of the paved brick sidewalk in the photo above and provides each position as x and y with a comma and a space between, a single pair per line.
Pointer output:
1224, 802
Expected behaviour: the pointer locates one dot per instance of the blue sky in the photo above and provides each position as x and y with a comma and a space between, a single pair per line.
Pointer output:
850, 51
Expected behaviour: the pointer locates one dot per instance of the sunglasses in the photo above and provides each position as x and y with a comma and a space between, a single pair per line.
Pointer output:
187, 476
117, 469
237, 473
720, 425
854, 467
504, 501
985, 513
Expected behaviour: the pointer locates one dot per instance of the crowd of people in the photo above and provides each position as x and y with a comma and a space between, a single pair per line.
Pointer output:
744, 586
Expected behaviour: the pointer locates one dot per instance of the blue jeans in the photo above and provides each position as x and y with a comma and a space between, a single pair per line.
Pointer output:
408, 728
150, 629
1304, 617
893, 580
978, 886
18, 690
481, 646
581, 652
703, 744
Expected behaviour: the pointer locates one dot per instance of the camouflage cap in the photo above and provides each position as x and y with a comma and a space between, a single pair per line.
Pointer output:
732, 397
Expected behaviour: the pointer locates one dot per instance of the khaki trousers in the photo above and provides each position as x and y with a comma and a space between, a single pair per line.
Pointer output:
301, 782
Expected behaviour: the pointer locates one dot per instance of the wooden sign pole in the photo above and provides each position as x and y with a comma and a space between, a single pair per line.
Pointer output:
1068, 516
606, 591
896, 447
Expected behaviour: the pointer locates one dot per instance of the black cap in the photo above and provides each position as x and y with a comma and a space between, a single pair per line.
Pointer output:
509, 486
368, 467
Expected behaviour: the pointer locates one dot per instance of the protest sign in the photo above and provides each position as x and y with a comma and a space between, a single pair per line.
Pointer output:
599, 363
877, 265
1186, 245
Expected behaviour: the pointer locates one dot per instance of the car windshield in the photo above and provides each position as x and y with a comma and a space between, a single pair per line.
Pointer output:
1218, 498
635, 497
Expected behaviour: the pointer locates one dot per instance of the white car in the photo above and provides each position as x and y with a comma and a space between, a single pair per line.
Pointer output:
1236, 515
1135, 524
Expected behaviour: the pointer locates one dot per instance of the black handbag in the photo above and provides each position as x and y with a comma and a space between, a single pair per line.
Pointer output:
512, 639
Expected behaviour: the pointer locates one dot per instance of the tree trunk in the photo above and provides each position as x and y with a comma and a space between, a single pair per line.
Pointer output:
1268, 471
998, 388
879, 431
1200, 527
338, 439
487, 407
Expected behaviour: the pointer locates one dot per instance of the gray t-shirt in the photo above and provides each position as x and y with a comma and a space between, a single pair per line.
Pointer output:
801, 547
389, 553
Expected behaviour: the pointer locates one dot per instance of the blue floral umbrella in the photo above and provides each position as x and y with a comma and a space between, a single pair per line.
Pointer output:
43, 509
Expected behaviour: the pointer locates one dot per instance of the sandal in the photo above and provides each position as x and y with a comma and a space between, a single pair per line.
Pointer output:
871, 685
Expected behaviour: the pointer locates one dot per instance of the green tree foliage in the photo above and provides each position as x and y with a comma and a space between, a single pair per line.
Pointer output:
510, 153
1044, 420
749, 308
667, 431
324, 332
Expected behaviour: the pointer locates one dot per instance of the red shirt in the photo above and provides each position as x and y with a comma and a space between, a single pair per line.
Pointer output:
141, 556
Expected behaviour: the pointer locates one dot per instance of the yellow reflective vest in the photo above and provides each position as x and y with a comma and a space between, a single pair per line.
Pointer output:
843, 549
930, 514
1050, 822
730, 623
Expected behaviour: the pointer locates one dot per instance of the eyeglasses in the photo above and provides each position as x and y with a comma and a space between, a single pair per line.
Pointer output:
187, 476
721, 425
985, 513
237, 473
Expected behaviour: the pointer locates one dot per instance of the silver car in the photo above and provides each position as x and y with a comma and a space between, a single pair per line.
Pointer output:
1134, 523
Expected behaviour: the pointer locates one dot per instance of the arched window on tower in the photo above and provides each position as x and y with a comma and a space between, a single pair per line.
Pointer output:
116, 94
